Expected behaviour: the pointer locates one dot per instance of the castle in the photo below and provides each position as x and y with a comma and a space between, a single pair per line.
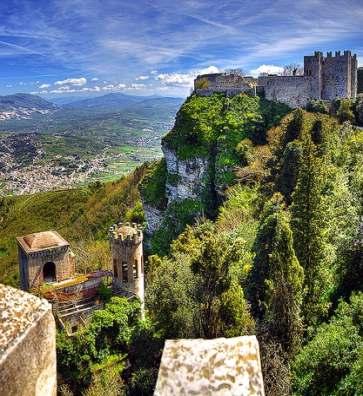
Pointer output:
325, 78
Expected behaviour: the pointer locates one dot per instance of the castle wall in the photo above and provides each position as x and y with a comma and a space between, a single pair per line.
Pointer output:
27, 345
230, 84
295, 91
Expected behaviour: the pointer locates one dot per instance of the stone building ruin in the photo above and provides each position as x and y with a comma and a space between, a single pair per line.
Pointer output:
325, 78
126, 242
44, 257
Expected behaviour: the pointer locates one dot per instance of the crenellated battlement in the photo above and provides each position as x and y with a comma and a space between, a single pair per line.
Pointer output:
129, 233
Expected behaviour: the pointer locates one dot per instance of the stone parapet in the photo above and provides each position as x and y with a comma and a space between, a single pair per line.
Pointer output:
27, 345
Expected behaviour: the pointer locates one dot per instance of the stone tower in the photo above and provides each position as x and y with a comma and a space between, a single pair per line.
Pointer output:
339, 74
127, 257
44, 257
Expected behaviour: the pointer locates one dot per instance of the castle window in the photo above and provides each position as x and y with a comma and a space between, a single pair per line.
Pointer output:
136, 275
125, 274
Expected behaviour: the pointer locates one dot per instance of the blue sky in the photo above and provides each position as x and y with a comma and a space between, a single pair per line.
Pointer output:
59, 47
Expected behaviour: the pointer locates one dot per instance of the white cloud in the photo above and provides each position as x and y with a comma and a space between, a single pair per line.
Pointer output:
73, 81
142, 78
136, 86
269, 69
184, 79
44, 86
154, 72
94, 79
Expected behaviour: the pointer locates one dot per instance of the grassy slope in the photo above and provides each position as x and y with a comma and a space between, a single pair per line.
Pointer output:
79, 215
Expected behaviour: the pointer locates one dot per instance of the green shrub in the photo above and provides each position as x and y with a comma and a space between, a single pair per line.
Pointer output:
318, 106
152, 186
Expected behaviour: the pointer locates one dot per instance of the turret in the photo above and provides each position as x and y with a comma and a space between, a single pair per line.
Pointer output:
127, 257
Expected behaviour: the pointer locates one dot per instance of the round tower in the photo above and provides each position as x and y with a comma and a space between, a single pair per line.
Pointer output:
127, 258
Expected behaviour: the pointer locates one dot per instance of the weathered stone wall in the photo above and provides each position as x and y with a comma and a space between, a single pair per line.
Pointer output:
186, 178
295, 91
27, 345
227, 83
32, 265
222, 366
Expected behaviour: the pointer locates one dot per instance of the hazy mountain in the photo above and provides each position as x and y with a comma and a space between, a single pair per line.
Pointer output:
118, 101
23, 106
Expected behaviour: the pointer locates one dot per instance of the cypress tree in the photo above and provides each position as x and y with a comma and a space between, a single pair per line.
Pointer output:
276, 280
284, 290
309, 230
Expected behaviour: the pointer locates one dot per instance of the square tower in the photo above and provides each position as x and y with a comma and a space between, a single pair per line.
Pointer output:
339, 76
44, 257
313, 66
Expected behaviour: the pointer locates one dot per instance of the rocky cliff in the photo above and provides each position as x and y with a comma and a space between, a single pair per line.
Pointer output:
201, 153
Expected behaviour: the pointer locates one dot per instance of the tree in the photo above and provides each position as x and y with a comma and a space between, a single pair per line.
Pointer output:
287, 177
171, 296
99, 348
276, 289
345, 112
293, 69
223, 310
332, 362
310, 231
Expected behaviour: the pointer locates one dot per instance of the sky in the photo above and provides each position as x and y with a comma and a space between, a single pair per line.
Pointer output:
157, 47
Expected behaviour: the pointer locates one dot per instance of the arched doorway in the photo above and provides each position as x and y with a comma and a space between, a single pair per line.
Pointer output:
49, 272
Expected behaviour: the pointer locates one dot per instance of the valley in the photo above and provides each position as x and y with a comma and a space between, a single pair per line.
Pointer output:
92, 140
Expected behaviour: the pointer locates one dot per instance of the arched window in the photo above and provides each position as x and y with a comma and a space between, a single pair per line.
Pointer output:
49, 274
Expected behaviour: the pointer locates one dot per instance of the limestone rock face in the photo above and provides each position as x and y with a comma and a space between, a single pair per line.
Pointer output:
27, 345
186, 178
153, 216
223, 366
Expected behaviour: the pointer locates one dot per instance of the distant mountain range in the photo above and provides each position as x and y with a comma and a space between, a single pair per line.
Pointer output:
23, 106
118, 101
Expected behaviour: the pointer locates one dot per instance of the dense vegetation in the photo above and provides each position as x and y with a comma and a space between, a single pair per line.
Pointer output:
281, 257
